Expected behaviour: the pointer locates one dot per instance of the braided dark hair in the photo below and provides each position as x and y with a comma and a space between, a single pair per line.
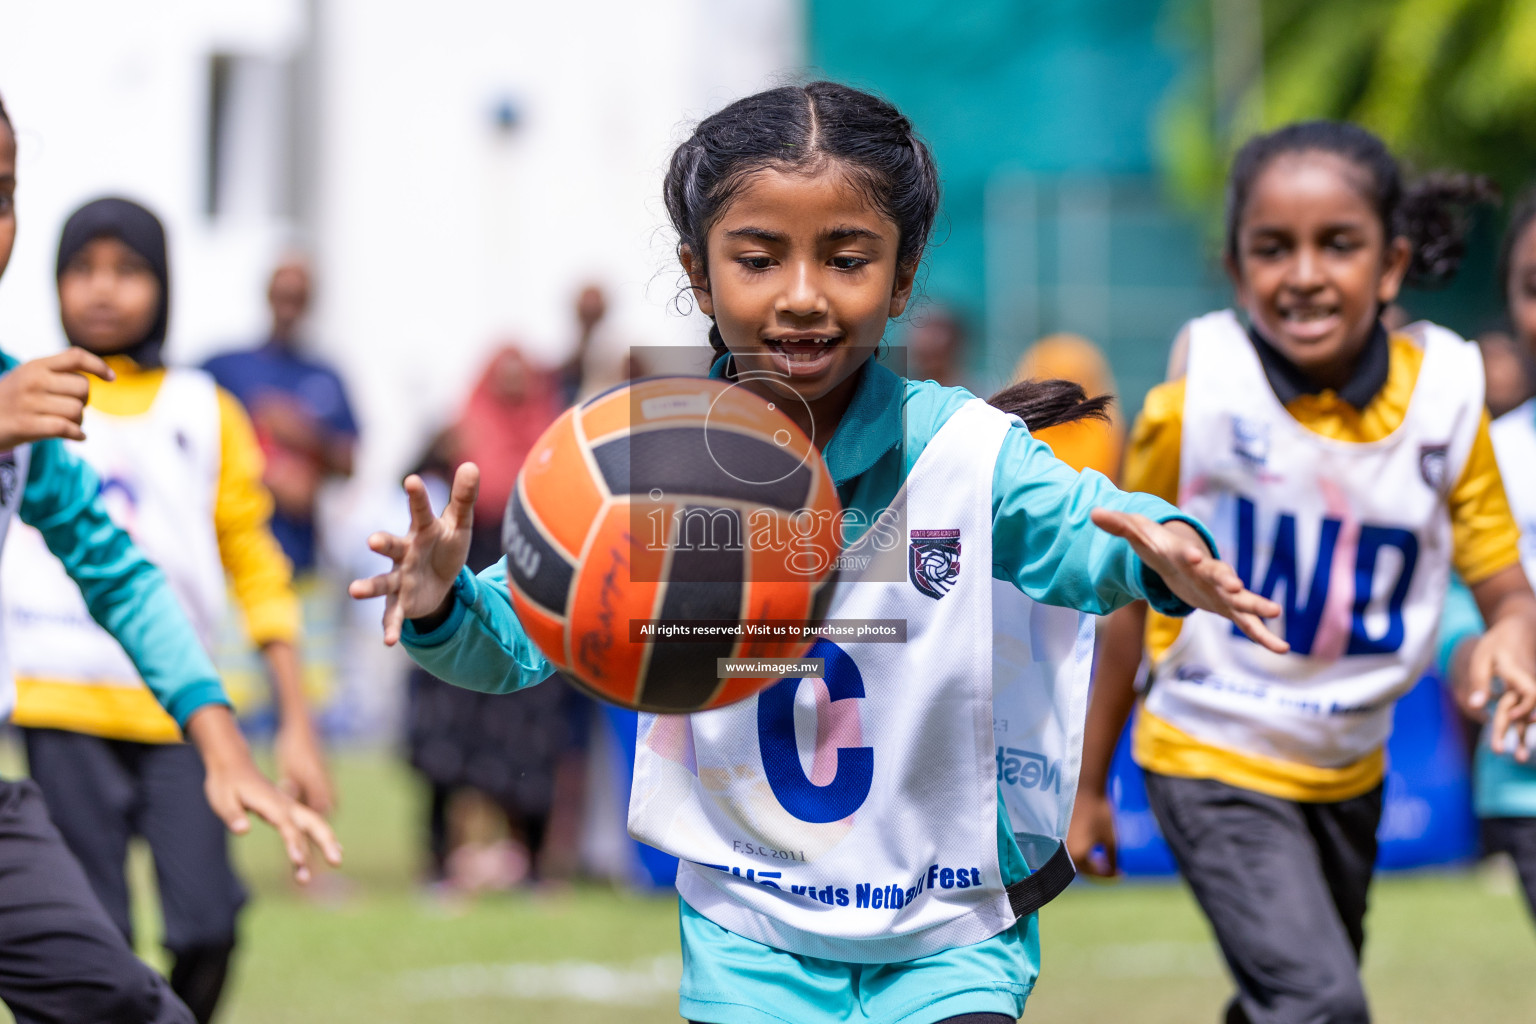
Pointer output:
1432, 213
805, 128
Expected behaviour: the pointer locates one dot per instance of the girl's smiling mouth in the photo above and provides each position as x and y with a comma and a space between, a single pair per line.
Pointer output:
802, 354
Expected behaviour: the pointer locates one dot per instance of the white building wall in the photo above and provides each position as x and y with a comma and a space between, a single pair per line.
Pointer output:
436, 235
111, 99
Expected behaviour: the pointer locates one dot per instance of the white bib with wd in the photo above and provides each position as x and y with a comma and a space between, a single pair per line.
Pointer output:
1353, 540
855, 817
1514, 444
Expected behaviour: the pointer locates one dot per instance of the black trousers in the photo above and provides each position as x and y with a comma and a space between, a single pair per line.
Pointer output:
1516, 837
62, 960
102, 793
1284, 886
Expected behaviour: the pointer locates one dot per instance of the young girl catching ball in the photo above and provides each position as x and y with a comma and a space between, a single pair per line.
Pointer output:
892, 881
1347, 471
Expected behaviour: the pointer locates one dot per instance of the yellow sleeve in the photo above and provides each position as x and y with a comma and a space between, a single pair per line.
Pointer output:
1152, 466
1152, 454
1484, 536
258, 571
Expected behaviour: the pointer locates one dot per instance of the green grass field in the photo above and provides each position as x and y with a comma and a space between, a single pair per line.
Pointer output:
1442, 947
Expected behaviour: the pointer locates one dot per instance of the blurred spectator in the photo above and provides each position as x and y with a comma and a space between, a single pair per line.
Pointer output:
1509, 372
1086, 444
936, 347
509, 408
519, 750
591, 307
303, 420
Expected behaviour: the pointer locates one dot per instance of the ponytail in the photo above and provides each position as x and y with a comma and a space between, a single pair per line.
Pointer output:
1049, 403
1434, 216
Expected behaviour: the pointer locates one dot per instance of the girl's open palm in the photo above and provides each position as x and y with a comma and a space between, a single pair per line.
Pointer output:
1175, 552
427, 558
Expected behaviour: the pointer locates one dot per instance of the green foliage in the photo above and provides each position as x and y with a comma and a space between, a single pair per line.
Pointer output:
1447, 83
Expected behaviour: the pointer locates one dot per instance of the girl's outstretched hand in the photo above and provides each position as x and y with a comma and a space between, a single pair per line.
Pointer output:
427, 558
234, 786
1504, 653
1176, 552
1091, 836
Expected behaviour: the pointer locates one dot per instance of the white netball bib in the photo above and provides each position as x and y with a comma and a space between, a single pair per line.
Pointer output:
159, 479
854, 817
1514, 444
1352, 540
14, 465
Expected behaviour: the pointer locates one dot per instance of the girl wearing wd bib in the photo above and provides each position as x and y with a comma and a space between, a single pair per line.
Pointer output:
181, 473
891, 881
1346, 471
1505, 788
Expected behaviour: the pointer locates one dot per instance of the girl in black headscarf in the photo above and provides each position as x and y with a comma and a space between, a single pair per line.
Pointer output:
181, 472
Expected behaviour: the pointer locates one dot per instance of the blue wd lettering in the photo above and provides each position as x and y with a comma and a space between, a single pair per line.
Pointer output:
799, 796
1372, 540
1285, 569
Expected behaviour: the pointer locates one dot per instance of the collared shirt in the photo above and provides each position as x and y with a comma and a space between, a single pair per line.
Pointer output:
1290, 381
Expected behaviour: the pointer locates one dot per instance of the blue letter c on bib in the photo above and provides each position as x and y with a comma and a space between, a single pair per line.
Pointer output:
781, 755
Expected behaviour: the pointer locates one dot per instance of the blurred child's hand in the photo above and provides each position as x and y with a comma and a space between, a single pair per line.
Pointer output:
1093, 828
1498, 669
1501, 673
1176, 552
46, 397
301, 771
234, 786
427, 558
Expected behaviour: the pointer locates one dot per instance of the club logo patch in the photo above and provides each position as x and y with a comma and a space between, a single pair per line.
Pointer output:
933, 561
1433, 460
9, 478
1250, 441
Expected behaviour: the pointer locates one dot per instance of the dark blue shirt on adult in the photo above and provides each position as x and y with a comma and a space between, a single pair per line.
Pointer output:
275, 369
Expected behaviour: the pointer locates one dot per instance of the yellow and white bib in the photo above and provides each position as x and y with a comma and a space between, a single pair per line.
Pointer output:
1352, 540
159, 477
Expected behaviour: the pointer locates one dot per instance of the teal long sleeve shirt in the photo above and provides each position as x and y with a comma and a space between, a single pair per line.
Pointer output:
1042, 538
127, 595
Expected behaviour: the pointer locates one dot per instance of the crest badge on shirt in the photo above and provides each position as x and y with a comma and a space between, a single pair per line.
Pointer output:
1433, 460
1250, 441
933, 561
9, 479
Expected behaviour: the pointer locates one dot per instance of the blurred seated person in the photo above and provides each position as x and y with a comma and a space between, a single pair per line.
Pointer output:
303, 420
1085, 444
